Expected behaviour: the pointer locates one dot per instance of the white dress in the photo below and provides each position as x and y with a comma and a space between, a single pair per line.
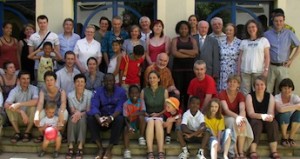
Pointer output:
112, 66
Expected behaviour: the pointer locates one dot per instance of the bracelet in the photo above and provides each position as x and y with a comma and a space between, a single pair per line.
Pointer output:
111, 118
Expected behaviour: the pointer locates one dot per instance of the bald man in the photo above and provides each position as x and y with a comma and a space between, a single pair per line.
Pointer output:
166, 79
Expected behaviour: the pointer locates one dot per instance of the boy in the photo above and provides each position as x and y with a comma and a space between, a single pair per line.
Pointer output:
50, 120
193, 128
133, 111
130, 67
46, 61
173, 114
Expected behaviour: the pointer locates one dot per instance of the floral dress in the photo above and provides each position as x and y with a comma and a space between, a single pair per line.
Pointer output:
229, 54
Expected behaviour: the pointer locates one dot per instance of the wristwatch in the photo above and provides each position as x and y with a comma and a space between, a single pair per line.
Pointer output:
111, 118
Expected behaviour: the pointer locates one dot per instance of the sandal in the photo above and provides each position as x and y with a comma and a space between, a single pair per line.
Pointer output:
274, 155
100, 154
79, 154
39, 139
285, 142
150, 155
253, 155
26, 137
292, 142
107, 154
242, 156
17, 137
69, 154
161, 155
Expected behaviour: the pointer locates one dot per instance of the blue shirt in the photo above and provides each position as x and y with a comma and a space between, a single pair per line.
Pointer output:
67, 44
106, 44
280, 44
103, 104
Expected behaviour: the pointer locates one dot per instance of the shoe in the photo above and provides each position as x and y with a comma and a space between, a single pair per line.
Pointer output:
200, 155
184, 155
285, 142
168, 140
127, 154
41, 153
55, 154
142, 141
292, 142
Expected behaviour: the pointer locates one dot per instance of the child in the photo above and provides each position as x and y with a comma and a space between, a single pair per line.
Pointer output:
193, 129
214, 120
50, 120
133, 111
172, 115
46, 61
130, 67
114, 64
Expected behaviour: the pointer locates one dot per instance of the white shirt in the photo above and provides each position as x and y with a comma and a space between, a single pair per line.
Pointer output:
192, 122
49, 121
35, 39
65, 79
295, 99
253, 55
1, 100
85, 50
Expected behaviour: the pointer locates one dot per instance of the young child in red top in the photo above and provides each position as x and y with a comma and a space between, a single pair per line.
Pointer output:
172, 115
134, 113
130, 67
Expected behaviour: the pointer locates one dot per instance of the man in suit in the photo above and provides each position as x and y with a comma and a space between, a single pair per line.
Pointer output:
209, 50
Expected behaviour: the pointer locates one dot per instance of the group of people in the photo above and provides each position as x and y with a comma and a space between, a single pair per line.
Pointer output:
218, 90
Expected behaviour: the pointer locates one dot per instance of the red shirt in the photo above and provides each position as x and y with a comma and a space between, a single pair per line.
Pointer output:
201, 88
133, 71
168, 114
233, 106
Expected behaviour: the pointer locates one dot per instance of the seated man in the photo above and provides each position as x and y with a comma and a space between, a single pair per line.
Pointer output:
202, 86
20, 106
106, 113
166, 79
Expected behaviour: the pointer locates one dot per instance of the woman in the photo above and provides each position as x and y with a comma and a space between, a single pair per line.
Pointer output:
260, 107
154, 97
134, 39
86, 48
233, 105
9, 46
26, 63
79, 103
94, 77
8, 80
105, 25
184, 50
254, 57
229, 53
288, 106
193, 20
51, 93
157, 42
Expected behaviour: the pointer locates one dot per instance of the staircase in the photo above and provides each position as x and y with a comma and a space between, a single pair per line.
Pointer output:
171, 150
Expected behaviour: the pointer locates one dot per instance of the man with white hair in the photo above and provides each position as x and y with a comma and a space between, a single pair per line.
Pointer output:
145, 23
217, 28
209, 50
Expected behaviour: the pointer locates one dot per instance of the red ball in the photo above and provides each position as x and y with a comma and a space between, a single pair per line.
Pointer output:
50, 133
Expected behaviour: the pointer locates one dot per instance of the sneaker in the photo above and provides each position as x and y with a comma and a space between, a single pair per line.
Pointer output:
142, 141
55, 154
127, 154
200, 155
184, 155
168, 139
41, 153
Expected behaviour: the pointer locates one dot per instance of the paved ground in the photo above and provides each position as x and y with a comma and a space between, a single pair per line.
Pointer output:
48, 156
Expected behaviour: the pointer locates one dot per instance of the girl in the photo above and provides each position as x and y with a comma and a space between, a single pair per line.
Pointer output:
114, 64
221, 137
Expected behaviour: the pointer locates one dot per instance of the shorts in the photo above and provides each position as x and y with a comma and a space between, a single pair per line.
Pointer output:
154, 118
224, 136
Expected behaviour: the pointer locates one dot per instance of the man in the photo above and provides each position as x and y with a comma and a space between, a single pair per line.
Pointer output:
116, 33
166, 79
209, 50
145, 27
202, 86
20, 106
37, 39
66, 74
67, 39
276, 11
217, 28
106, 113
281, 40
